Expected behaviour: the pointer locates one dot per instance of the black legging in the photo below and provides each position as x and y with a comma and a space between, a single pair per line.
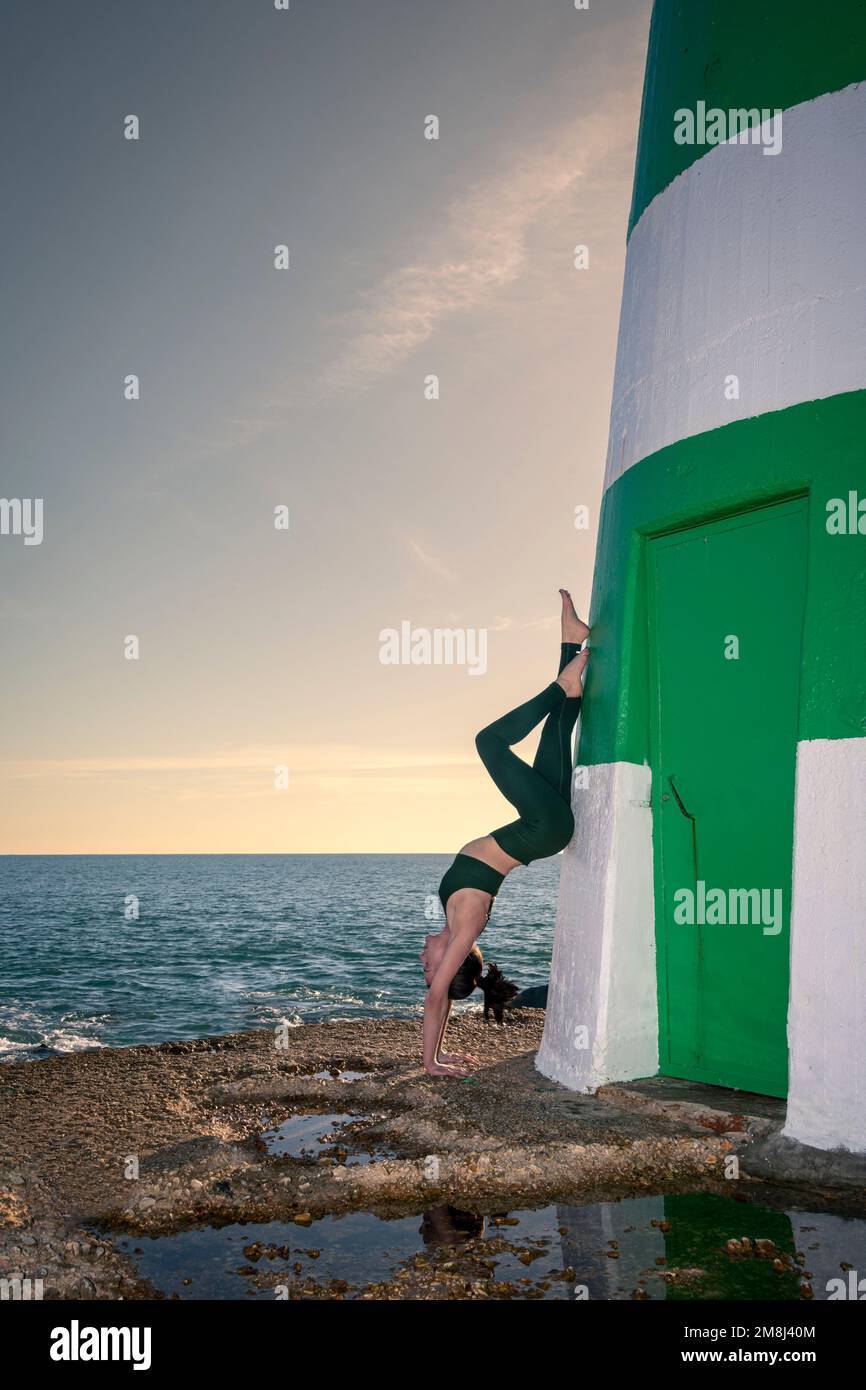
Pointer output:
541, 793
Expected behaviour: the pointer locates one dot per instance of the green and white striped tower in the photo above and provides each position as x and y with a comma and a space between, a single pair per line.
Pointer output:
712, 916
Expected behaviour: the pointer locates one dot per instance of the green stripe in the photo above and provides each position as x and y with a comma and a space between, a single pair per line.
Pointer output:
737, 54
816, 449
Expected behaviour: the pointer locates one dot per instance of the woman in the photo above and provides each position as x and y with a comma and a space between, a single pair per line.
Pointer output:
541, 794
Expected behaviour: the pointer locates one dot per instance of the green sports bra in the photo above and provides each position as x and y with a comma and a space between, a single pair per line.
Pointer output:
468, 872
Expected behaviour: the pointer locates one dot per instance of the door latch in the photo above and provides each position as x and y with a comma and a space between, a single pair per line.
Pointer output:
686, 813
689, 817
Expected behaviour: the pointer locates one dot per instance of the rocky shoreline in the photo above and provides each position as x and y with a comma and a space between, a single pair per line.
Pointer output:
152, 1140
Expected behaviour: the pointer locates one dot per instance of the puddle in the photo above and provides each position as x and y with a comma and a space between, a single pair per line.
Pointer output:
204, 1264
303, 1136
308, 1137
671, 1247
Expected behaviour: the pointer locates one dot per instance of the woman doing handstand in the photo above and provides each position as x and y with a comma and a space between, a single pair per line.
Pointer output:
541, 794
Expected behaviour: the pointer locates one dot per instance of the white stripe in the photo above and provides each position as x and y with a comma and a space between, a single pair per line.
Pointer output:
748, 264
827, 1012
603, 974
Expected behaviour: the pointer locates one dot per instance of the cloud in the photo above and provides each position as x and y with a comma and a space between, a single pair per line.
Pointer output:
550, 620
481, 248
502, 231
430, 562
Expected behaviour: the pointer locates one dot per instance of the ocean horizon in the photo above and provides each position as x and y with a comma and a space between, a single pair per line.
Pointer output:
117, 950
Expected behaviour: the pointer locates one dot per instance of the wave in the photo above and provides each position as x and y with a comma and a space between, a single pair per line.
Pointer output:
26, 1034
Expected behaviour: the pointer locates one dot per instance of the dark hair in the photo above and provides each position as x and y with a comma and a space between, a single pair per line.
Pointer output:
498, 993
468, 976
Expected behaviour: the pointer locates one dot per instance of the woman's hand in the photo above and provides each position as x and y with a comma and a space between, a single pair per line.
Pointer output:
437, 1004
456, 1058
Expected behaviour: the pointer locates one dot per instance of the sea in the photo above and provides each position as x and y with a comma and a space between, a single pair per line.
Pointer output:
115, 950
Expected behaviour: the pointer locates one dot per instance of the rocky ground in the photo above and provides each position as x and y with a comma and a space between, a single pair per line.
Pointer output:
150, 1140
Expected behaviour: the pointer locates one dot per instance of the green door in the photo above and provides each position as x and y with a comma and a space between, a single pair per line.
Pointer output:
726, 605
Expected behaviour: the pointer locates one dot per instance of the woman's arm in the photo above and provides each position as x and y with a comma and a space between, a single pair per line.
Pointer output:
452, 1058
437, 1005
444, 1026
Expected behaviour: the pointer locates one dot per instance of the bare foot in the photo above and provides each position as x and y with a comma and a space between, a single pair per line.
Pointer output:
573, 628
455, 1059
571, 676
438, 1070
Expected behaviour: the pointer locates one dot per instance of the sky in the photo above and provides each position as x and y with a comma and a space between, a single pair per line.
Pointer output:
259, 714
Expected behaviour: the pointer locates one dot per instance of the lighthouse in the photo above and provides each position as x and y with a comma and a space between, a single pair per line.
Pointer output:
711, 923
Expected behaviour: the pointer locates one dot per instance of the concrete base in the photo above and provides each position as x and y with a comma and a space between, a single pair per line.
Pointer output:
753, 1123
602, 1013
778, 1158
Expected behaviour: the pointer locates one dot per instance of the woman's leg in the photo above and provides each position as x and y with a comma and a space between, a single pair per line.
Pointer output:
540, 794
554, 757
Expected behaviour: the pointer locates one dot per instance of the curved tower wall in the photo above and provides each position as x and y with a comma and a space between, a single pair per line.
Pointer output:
740, 383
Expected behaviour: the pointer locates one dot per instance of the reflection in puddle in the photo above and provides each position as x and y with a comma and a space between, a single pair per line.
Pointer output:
696, 1246
307, 1137
208, 1264
303, 1136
